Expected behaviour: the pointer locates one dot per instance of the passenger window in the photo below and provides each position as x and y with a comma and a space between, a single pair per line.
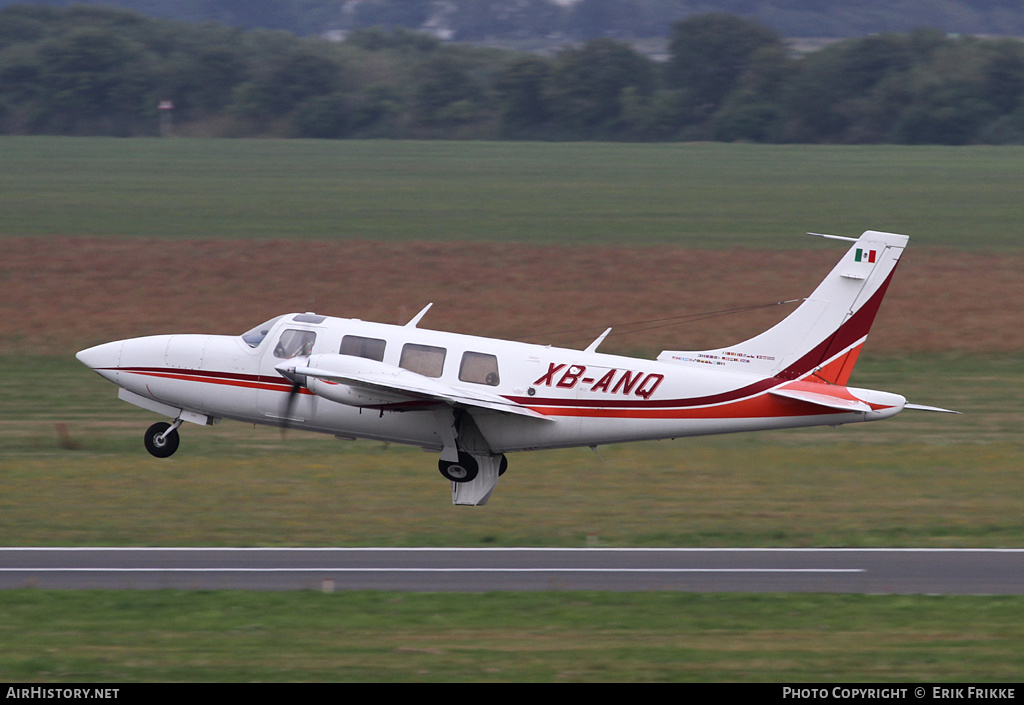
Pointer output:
356, 346
479, 368
423, 359
295, 342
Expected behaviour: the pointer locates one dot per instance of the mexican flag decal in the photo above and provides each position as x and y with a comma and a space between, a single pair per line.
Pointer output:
865, 255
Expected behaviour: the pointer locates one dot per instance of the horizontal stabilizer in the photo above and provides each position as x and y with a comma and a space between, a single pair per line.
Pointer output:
826, 400
922, 407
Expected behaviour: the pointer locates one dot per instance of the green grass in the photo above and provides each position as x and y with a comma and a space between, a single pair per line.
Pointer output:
696, 195
75, 473
110, 637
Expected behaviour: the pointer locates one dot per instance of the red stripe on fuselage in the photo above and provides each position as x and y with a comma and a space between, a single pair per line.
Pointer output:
232, 379
762, 406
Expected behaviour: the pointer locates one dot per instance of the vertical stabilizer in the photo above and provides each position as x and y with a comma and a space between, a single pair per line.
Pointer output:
821, 339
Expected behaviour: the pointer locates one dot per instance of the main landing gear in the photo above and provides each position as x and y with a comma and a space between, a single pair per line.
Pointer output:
473, 476
162, 439
468, 461
466, 468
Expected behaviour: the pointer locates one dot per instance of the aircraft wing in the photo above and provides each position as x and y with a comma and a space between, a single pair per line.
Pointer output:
393, 384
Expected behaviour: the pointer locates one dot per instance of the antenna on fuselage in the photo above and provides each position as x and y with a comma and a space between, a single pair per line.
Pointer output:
418, 316
600, 339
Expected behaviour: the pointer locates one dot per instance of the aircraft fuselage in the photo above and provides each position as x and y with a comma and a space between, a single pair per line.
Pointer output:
586, 398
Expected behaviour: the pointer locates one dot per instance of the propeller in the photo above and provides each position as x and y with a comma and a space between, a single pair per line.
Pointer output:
288, 372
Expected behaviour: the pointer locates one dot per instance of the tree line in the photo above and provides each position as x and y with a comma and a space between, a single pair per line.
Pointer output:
580, 20
92, 71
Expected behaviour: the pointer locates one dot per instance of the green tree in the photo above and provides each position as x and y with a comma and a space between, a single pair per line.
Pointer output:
324, 117
586, 88
755, 109
376, 111
521, 86
746, 116
202, 81
399, 38
842, 93
446, 90
283, 82
948, 102
94, 79
709, 54
1002, 74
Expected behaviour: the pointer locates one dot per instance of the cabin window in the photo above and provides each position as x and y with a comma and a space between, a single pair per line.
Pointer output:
309, 318
423, 359
479, 368
255, 336
294, 343
357, 346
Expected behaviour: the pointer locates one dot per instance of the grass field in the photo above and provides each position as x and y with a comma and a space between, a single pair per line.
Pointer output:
114, 238
694, 195
98, 637
76, 474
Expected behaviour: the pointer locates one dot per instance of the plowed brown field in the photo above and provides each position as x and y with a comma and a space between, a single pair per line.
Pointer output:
61, 294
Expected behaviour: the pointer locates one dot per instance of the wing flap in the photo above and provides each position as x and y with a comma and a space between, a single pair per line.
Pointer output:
395, 384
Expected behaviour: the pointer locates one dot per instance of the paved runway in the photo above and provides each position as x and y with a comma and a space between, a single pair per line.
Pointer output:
930, 571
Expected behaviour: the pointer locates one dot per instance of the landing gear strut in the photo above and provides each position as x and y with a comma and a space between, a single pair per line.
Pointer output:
162, 439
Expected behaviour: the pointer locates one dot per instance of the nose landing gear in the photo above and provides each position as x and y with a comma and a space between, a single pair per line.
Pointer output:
162, 439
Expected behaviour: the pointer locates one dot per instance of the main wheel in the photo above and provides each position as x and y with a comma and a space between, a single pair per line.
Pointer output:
465, 470
161, 448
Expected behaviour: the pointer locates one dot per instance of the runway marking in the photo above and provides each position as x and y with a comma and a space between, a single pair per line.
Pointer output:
872, 570
497, 549
431, 570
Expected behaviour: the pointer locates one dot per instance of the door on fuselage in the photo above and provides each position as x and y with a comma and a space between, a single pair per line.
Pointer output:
275, 399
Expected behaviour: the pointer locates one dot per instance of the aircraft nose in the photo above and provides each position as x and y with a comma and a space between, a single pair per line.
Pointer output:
101, 357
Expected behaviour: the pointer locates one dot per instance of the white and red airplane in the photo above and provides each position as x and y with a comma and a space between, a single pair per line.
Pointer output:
475, 399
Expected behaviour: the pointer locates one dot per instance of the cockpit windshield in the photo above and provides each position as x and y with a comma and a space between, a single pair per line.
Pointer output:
254, 337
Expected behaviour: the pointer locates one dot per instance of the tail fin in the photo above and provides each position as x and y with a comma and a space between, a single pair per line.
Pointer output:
823, 337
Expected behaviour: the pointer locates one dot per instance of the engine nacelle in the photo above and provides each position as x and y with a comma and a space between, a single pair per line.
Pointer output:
352, 396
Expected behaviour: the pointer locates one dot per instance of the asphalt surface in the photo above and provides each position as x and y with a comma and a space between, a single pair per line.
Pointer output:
873, 571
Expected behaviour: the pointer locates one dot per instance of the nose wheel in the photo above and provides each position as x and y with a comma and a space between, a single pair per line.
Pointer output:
162, 439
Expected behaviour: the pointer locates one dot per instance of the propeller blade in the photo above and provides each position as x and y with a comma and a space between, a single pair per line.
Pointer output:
288, 372
289, 407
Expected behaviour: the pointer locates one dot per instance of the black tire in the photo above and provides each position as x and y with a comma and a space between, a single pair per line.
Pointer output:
158, 448
503, 465
465, 470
